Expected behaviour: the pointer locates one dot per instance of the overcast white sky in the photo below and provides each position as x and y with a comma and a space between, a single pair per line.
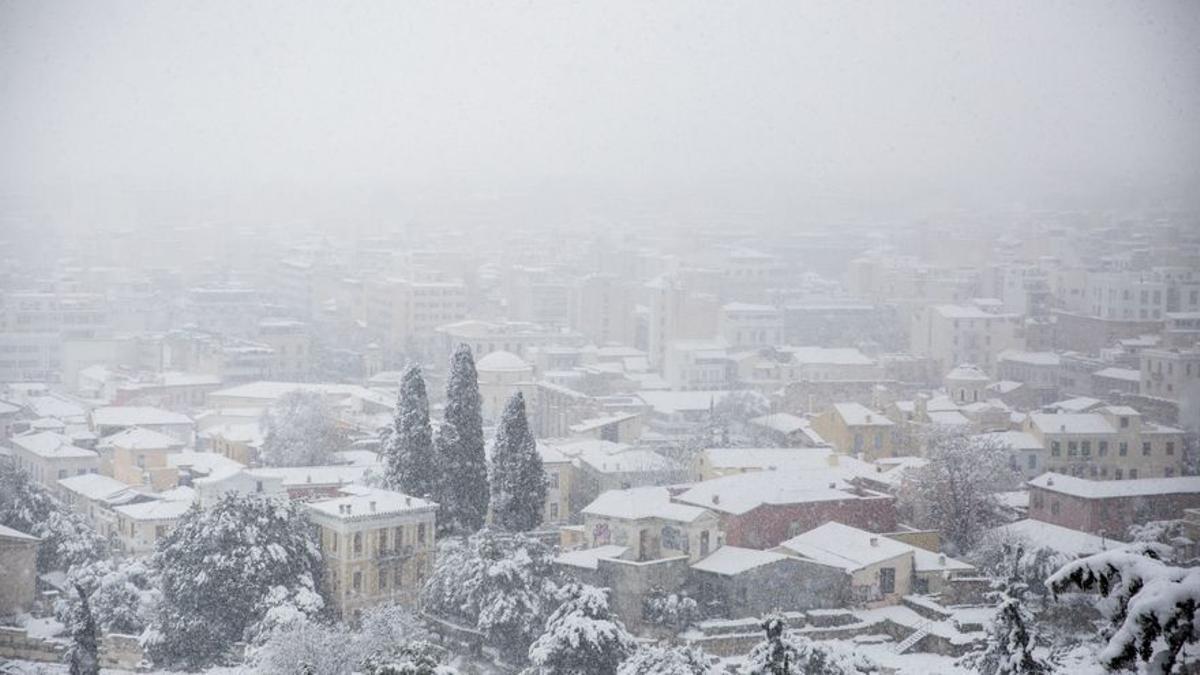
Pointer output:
1008, 100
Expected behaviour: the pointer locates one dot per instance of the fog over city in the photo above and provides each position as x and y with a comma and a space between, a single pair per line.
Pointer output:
600, 338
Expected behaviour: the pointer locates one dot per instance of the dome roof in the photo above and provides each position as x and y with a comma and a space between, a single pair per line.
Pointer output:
501, 361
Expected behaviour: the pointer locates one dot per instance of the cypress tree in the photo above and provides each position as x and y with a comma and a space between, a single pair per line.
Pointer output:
463, 487
410, 458
518, 477
84, 654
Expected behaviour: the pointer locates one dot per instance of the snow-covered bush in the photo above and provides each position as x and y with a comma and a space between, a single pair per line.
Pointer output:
1151, 606
417, 658
1001, 556
299, 429
235, 571
504, 585
582, 636
386, 634
667, 660
1011, 643
672, 610
67, 538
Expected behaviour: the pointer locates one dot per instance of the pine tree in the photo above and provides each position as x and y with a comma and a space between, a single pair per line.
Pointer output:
409, 453
518, 481
582, 636
84, 654
463, 486
1010, 644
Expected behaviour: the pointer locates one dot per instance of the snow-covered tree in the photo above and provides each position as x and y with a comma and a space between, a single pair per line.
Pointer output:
123, 596
385, 635
235, 571
1151, 606
299, 429
415, 658
84, 653
518, 479
1172, 533
582, 636
667, 660
504, 585
674, 610
1010, 646
955, 491
783, 654
1000, 555
463, 487
408, 450
67, 538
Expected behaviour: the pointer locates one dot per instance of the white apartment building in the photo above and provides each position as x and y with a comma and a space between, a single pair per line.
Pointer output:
602, 310
1173, 374
954, 334
1126, 295
750, 326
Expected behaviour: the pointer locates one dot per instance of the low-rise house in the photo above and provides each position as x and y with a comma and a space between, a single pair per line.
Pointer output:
1036, 534
647, 522
1037, 370
880, 569
720, 462
307, 483
762, 509
1025, 451
378, 546
139, 457
855, 429
602, 465
96, 495
1110, 507
210, 489
140, 525
746, 582
48, 456
239, 441
967, 383
18, 571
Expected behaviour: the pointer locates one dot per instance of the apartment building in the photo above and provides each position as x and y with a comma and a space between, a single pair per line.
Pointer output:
378, 546
1111, 443
954, 334
1172, 374
749, 326
48, 456
602, 309
854, 429
403, 315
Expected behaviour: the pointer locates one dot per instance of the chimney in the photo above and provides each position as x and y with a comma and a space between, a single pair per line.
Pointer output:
868, 418
372, 506
874, 541
716, 499
942, 559
408, 501
308, 478
349, 508
833, 486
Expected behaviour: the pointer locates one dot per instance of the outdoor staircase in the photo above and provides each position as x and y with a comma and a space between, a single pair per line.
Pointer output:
920, 632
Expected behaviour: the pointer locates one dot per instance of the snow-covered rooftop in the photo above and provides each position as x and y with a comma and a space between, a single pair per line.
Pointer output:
1038, 534
139, 438
744, 492
849, 548
1126, 374
784, 423
294, 476
1014, 440
360, 501
968, 372
10, 533
1029, 358
129, 416
731, 560
51, 445
839, 356
671, 402
857, 415
170, 506
590, 558
93, 486
1106, 489
501, 361
1071, 423
812, 459
642, 502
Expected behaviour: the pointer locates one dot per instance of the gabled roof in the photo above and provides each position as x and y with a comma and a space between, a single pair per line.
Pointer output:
360, 501
1071, 423
742, 493
51, 445
590, 558
139, 438
857, 415
640, 503
849, 548
1038, 534
501, 361
731, 560
131, 416
10, 533
93, 486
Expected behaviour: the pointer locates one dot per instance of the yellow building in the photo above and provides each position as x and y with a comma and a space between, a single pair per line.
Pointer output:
378, 546
139, 457
855, 429
1113, 442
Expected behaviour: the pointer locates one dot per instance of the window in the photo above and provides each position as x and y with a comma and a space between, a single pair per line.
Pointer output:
1146, 448
160, 531
383, 578
1123, 449
1132, 474
1169, 472
1055, 448
383, 540
1054, 507
421, 533
1124, 422
1085, 448
1072, 448
1031, 461
1102, 447
554, 510
333, 539
258, 486
1170, 447
357, 544
357, 582
1118, 474
887, 580
552, 479
397, 536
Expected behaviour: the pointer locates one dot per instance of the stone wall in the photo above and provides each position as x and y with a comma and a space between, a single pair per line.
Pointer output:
15, 643
631, 581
